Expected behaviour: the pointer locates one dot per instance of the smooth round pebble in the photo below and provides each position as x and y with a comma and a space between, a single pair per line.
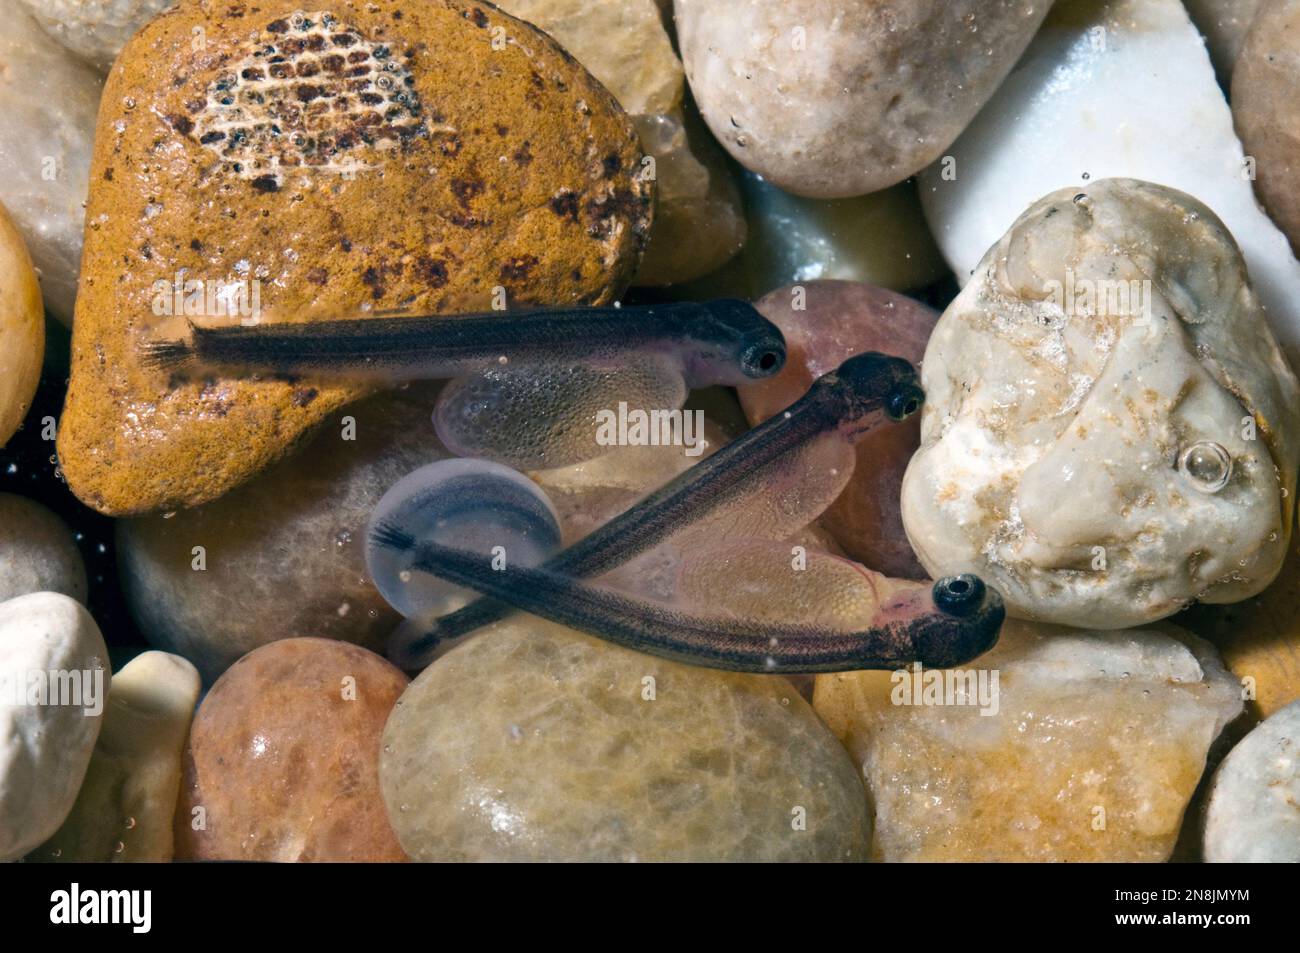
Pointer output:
22, 329
127, 802
834, 100
48, 724
532, 742
1254, 807
283, 758
37, 553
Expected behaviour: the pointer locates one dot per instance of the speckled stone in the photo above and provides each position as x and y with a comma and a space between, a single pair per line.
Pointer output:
48, 103
46, 739
1253, 815
22, 329
1093, 746
492, 168
283, 758
531, 742
287, 548
825, 323
833, 100
125, 809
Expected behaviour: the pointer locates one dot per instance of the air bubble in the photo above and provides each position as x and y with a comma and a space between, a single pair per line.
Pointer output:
1207, 465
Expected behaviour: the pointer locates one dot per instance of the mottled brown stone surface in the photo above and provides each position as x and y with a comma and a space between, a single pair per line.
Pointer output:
494, 160
283, 758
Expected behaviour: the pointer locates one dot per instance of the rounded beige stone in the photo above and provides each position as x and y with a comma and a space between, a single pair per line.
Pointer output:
834, 100
48, 104
22, 329
1110, 429
531, 742
127, 802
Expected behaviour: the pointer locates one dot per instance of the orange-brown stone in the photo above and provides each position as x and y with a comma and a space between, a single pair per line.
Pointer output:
283, 758
391, 154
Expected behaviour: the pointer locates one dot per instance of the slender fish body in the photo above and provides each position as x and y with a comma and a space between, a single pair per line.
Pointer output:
716, 342
864, 391
958, 622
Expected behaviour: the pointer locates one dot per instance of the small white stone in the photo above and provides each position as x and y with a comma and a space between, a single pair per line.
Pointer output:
45, 748
1080, 391
95, 30
127, 802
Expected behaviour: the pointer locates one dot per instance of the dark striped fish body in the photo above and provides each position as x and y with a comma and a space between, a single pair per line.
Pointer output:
715, 342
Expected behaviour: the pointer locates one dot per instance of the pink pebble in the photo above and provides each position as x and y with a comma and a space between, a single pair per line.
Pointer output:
824, 323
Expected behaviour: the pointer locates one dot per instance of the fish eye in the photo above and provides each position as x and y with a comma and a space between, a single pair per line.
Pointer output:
762, 360
905, 401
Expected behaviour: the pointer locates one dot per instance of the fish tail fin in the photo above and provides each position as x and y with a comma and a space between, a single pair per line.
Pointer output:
169, 356
391, 536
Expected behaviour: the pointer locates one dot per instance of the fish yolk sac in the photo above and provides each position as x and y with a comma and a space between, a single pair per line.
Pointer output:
473, 505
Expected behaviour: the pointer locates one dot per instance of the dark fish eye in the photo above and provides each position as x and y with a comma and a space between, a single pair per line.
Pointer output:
905, 401
762, 360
